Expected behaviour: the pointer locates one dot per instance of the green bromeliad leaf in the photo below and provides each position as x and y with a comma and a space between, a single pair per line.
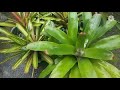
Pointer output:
92, 25
86, 68
110, 23
73, 26
109, 43
101, 72
63, 67
47, 70
95, 30
97, 53
58, 34
112, 70
86, 16
75, 73
51, 48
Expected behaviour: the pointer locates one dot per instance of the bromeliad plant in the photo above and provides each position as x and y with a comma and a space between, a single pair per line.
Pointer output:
79, 53
29, 25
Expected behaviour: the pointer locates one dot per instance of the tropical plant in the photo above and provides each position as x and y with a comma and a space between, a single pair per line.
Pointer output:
78, 50
29, 26
81, 54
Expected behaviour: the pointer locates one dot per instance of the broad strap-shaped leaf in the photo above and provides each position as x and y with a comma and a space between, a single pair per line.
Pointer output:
86, 68
75, 72
86, 16
40, 45
51, 48
58, 59
52, 39
104, 17
63, 67
58, 34
73, 26
11, 50
97, 53
62, 49
101, 72
110, 23
47, 70
91, 28
92, 25
109, 43
112, 70
21, 60
67, 75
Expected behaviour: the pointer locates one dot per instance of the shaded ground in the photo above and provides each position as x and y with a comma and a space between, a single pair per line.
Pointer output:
7, 72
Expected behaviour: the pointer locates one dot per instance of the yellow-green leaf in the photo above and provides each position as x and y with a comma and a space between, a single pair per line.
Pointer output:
63, 67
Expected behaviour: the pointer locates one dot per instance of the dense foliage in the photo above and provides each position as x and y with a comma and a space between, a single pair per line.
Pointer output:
69, 42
